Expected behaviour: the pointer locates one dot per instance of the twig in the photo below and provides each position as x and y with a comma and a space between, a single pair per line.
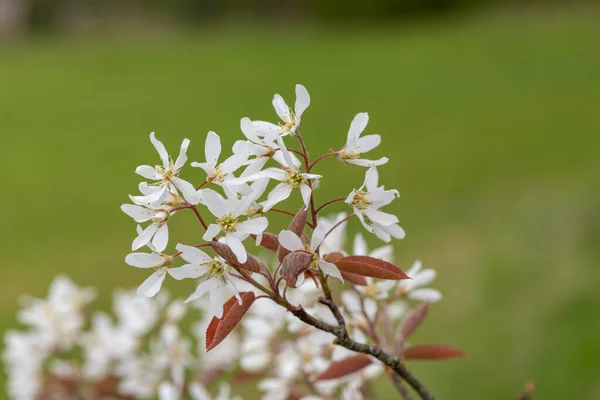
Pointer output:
200, 217
330, 202
397, 381
324, 156
528, 392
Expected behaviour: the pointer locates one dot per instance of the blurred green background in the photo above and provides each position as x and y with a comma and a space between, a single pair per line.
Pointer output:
489, 117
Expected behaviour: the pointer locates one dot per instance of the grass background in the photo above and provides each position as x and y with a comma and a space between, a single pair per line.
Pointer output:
490, 122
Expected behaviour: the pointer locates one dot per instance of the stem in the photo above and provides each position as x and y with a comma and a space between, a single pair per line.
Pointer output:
324, 156
338, 224
397, 381
201, 185
200, 217
307, 166
330, 202
292, 151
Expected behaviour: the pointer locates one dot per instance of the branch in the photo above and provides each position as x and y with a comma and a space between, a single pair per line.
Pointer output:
397, 381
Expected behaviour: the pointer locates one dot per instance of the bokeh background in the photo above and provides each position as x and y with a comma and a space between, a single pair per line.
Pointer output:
488, 112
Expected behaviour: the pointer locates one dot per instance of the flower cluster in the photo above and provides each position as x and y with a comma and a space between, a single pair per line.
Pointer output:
320, 319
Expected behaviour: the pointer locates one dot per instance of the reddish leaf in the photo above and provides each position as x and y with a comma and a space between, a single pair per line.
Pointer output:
333, 257
219, 328
413, 320
252, 264
296, 226
354, 279
369, 266
345, 367
293, 265
269, 241
431, 352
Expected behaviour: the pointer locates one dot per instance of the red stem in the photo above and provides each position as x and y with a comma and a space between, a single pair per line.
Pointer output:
324, 156
200, 217
338, 224
330, 202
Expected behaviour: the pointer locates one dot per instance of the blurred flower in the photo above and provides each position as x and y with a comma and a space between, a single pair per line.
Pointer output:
162, 265
412, 288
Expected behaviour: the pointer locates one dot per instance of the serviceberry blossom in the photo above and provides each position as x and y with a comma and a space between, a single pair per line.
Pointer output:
215, 274
355, 145
292, 242
166, 176
290, 119
412, 288
219, 173
230, 214
366, 202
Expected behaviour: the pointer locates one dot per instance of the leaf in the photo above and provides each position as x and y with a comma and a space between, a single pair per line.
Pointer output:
431, 352
354, 279
293, 265
269, 241
372, 267
296, 226
333, 257
233, 312
413, 320
345, 367
252, 264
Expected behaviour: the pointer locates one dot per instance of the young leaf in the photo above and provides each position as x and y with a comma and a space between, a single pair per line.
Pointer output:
431, 352
219, 328
358, 280
345, 367
333, 257
252, 264
413, 320
269, 241
293, 265
372, 267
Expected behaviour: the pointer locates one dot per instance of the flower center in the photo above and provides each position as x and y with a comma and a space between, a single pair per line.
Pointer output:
167, 172
353, 155
360, 200
372, 290
227, 223
288, 123
216, 175
215, 269
294, 178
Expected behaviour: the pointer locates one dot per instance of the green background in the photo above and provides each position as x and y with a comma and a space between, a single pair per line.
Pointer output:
490, 122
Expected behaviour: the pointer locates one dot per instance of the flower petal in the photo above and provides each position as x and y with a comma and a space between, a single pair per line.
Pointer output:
237, 247
368, 143
359, 247
144, 237
148, 172
138, 213
212, 148
217, 298
248, 130
161, 238
380, 217
278, 194
186, 271
281, 108
192, 254
212, 231
330, 269
306, 192
357, 126
215, 203
253, 226
290, 241
428, 295
160, 148
182, 158
317, 237
144, 260
302, 100
202, 288
152, 284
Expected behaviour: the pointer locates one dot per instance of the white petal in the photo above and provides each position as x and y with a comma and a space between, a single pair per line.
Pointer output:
217, 298
144, 260
234, 162
358, 125
278, 156
148, 172
206, 167
360, 245
302, 100
395, 231
200, 290
212, 148
144, 237
253, 226
215, 203
281, 108
330, 269
266, 129
160, 148
371, 179
188, 190
380, 217
368, 143
212, 231
152, 284
278, 194
290, 241
168, 391
182, 154
361, 218
428, 295
424, 277
318, 236
415, 268
161, 238
198, 392
237, 247
300, 280
385, 253
138, 213
285, 153
248, 130
306, 192
367, 163
186, 271
192, 254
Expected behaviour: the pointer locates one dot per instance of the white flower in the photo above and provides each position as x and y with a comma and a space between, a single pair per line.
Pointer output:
137, 315
156, 233
229, 215
355, 145
366, 202
215, 273
173, 351
23, 355
336, 240
262, 149
358, 310
161, 264
166, 175
412, 288
168, 391
292, 242
219, 173
290, 119
199, 392
290, 177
